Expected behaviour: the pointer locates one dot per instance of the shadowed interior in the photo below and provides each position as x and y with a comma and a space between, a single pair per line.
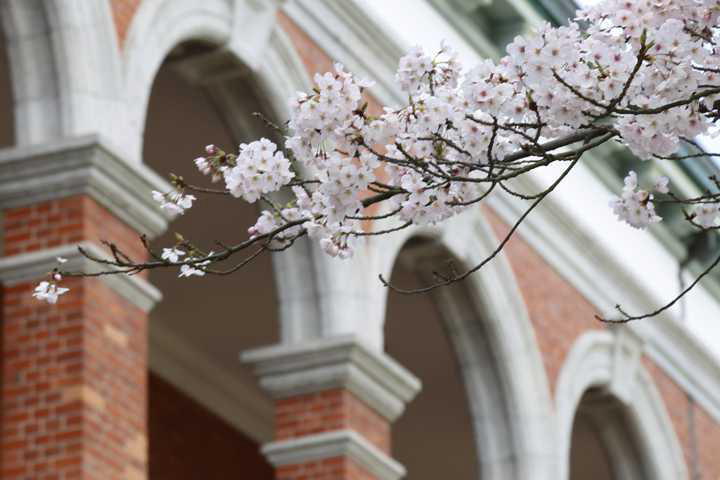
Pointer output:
434, 437
215, 317
7, 116
604, 443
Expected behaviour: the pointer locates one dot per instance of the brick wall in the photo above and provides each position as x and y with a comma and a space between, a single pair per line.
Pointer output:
327, 469
335, 409
73, 403
123, 12
690, 420
65, 221
559, 313
74, 373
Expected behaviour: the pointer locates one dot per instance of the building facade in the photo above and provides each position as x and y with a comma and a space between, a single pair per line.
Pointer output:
302, 366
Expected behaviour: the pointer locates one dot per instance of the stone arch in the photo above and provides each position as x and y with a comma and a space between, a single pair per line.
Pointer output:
63, 76
196, 333
496, 347
609, 363
156, 29
242, 33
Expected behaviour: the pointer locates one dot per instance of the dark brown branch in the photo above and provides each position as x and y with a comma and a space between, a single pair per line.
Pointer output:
631, 318
498, 249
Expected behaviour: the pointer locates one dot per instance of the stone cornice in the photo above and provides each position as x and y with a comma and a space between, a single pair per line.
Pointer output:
337, 443
83, 165
33, 266
338, 362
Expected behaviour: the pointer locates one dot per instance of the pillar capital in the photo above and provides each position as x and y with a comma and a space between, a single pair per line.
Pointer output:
84, 165
339, 362
338, 446
335, 400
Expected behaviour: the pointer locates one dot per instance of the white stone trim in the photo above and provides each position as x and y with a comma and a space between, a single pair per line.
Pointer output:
156, 28
626, 356
340, 362
25, 267
83, 165
254, 22
595, 360
337, 443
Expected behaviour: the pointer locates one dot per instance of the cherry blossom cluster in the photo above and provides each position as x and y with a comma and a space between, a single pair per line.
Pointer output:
635, 206
259, 169
706, 214
644, 73
48, 291
174, 202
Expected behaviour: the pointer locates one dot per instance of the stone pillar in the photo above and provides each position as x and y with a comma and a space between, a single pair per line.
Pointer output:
74, 374
335, 401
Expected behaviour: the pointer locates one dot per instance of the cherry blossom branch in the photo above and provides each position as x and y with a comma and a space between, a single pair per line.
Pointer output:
625, 317
647, 80
494, 253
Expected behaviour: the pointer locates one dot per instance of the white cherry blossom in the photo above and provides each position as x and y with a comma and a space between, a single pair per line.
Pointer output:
635, 206
172, 254
174, 202
706, 214
49, 292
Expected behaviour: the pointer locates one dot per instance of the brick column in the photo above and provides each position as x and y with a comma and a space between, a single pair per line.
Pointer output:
335, 400
74, 374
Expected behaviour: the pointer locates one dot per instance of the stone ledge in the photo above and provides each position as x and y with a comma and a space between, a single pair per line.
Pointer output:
83, 165
338, 362
34, 266
340, 443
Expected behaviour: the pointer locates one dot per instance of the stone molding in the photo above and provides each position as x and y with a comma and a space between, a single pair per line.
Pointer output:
34, 266
338, 362
258, 21
83, 165
339, 443
628, 348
